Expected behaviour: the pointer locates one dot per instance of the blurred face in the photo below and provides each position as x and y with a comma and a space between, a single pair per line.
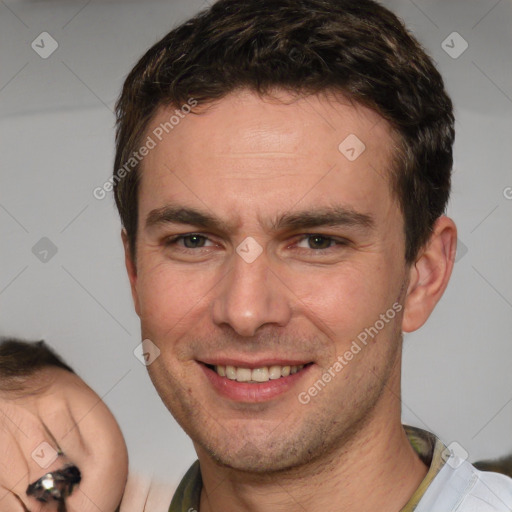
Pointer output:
268, 243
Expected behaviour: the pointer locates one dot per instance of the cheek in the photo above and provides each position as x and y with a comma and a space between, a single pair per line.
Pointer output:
169, 297
341, 297
346, 305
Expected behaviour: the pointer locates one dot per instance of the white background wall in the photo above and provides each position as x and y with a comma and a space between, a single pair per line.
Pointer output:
56, 132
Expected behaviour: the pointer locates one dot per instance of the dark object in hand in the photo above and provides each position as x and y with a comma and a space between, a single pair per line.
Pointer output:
56, 485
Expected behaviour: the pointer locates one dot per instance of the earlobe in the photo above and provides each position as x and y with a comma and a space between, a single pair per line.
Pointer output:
429, 275
131, 270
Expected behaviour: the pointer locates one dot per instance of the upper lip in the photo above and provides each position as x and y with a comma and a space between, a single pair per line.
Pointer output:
253, 363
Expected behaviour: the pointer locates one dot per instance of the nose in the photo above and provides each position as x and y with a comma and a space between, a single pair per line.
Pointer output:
251, 295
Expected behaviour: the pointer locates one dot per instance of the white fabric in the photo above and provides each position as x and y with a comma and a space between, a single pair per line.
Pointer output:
460, 487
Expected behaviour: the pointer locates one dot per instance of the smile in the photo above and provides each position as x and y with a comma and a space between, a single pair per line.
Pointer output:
255, 375
257, 384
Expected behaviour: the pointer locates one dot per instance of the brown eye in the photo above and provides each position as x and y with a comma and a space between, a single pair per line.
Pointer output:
318, 242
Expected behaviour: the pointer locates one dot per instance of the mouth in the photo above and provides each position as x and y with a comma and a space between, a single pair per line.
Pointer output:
256, 375
258, 383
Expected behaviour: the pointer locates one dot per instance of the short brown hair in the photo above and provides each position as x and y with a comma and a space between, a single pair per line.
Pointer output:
357, 48
20, 359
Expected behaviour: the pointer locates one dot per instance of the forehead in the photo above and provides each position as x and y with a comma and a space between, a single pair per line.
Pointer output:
246, 154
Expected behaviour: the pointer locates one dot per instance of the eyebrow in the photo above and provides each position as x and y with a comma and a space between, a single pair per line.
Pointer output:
324, 216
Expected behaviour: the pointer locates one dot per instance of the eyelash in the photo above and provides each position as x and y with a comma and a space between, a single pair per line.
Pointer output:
173, 241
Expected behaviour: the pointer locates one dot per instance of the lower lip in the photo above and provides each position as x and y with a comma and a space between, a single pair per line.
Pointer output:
252, 393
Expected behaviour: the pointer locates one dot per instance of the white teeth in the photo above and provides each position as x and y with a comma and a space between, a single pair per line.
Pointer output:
260, 374
231, 372
274, 372
243, 374
263, 374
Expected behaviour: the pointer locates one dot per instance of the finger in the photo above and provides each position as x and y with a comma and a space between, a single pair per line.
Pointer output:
27, 452
33, 449
92, 439
10, 502
57, 420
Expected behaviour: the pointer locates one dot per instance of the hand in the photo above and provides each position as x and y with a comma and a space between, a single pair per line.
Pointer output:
56, 407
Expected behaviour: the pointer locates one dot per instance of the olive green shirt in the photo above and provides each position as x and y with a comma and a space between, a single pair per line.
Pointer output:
427, 446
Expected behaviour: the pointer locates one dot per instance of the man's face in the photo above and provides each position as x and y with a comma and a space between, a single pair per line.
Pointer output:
267, 170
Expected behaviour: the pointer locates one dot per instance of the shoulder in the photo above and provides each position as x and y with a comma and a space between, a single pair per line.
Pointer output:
460, 487
491, 491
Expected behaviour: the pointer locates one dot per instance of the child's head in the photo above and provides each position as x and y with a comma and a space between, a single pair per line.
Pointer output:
49, 418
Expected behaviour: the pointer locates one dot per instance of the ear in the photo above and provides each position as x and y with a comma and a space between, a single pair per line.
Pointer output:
430, 273
131, 269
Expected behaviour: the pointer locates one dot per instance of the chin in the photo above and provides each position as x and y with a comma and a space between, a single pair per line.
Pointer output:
260, 455
253, 461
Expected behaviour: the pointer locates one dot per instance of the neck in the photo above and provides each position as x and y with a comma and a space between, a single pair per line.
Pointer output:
379, 470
